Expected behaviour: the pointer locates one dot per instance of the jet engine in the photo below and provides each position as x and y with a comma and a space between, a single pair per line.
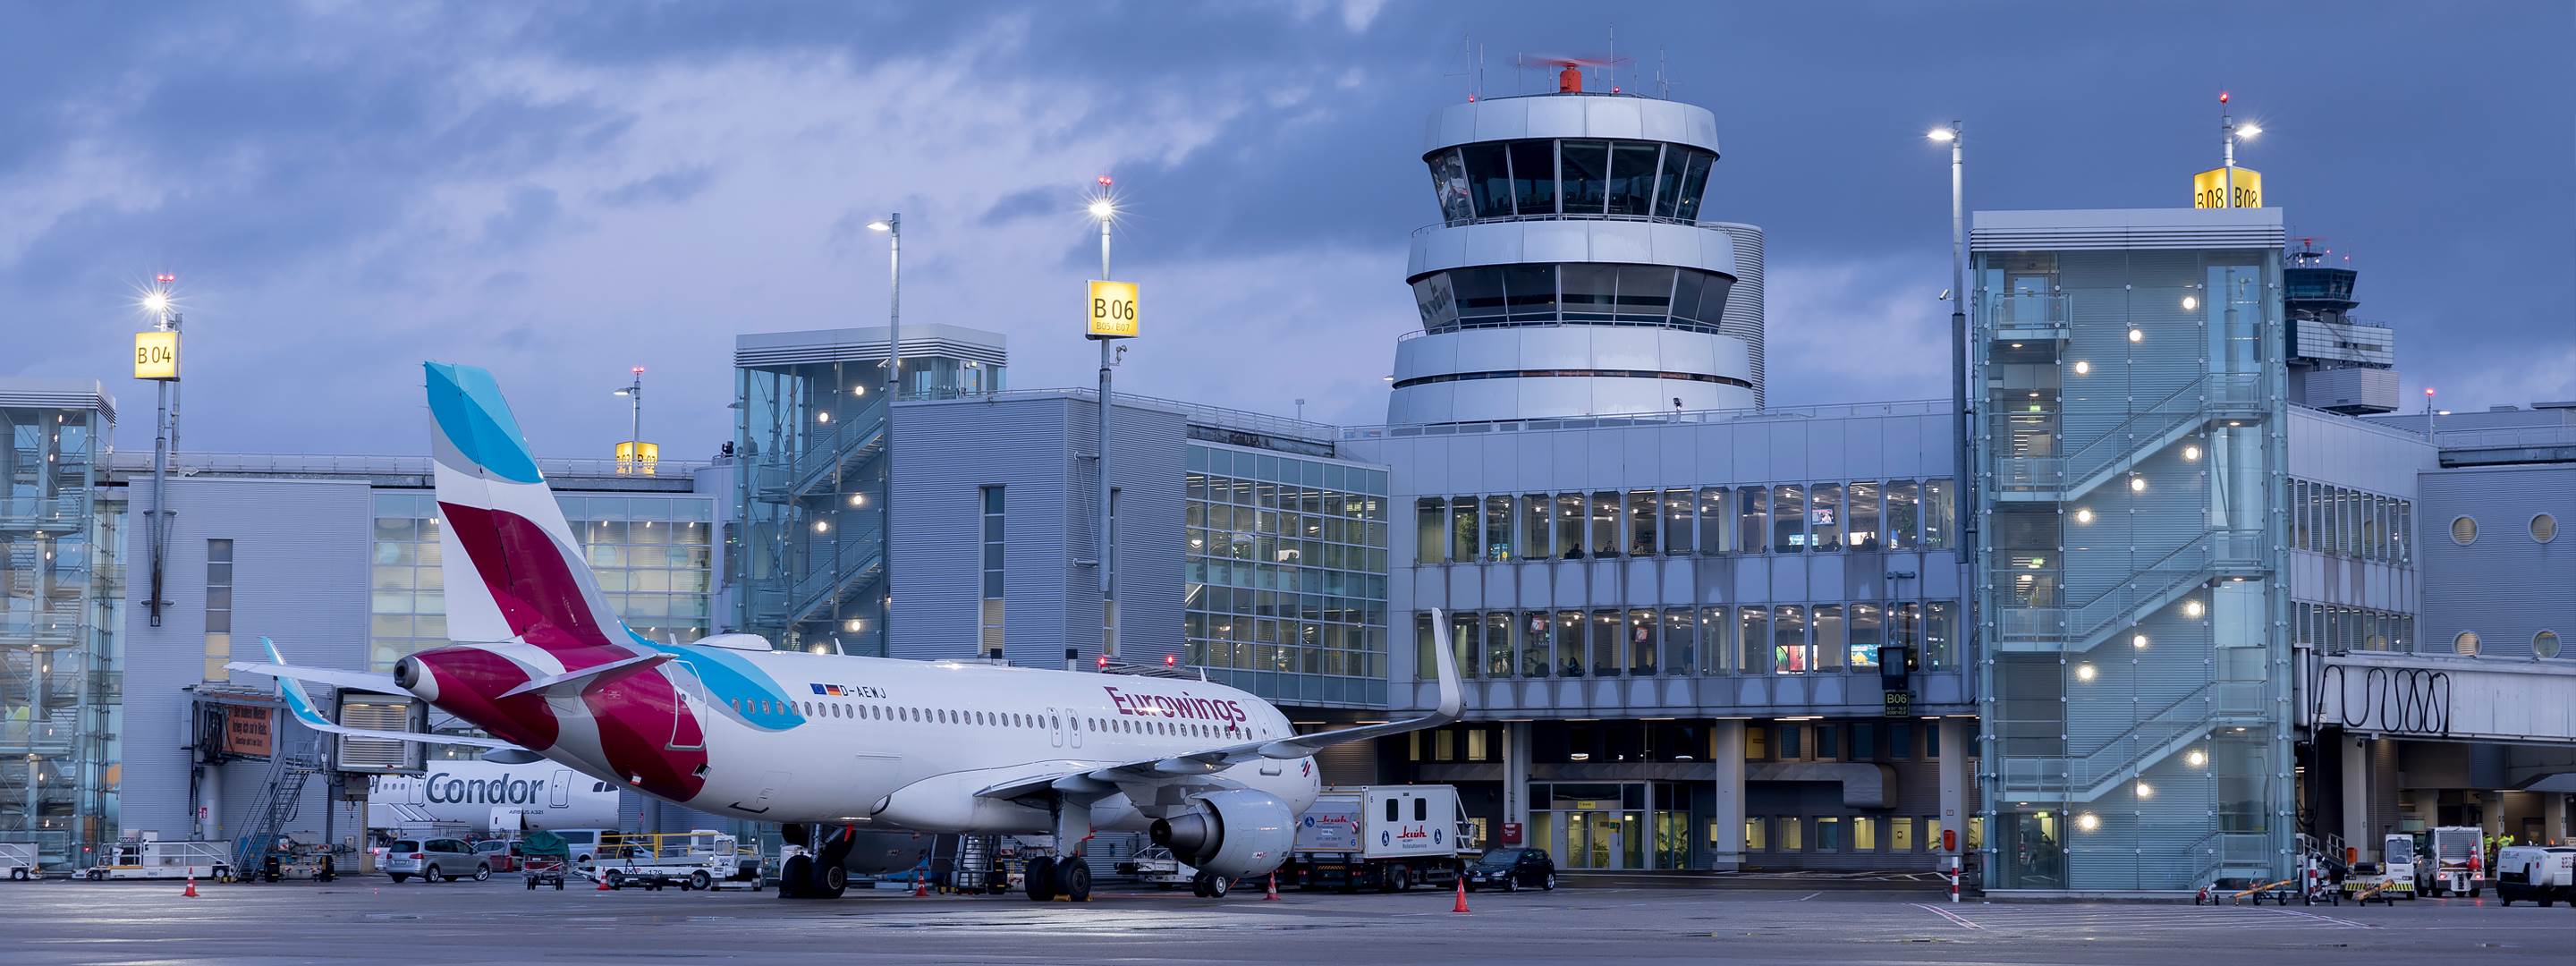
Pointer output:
1233, 833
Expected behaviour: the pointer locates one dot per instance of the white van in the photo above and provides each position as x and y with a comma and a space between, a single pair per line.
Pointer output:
2541, 873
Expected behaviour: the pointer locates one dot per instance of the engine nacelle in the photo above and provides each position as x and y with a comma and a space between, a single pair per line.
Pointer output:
1233, 833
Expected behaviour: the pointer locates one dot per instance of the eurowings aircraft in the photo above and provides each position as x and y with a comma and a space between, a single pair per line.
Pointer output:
833, 747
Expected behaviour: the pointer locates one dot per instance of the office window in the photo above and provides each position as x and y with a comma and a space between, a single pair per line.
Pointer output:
1571, 630
1829, 742
1583, 167
1533, 177
1931, 741
1757, 742
1606, 538
1715, 521
1939, 514
1791, 839
1902, 511
1753, 632
1538, 636
1755, 839
1681, 652
1788, 518
1681, 510
1824, 517
993, 569
1641, 642
1862, 520
1864, 741
1753, 512
1463, 640
1940, 634
1829, 834
1537, 535
1499, 651
1498, 528
1430, 530
1900, 741
1864, 834
1605, 643
1900, 834
1645, 508
1867, 633
1464, 545
1716, 640
1790, 652
1570, 515
1426, 666
1789, 733
219, 608
1832, 643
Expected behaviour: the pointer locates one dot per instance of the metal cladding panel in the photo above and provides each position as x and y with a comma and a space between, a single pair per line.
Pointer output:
1585, 115
1543, 241
1743, 316
2132, 229
300, 575
1033, 449
2356, 453
2505, 585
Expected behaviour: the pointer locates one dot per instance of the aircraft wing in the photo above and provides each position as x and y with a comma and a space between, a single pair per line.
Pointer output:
291, 690
1187, 768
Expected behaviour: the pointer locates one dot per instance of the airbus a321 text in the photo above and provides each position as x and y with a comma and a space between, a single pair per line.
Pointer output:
833, 747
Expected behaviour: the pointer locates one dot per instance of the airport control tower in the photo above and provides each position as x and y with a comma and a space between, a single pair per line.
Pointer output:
1570, 274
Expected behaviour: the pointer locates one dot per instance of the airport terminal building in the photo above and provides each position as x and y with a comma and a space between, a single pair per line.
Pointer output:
2127, 647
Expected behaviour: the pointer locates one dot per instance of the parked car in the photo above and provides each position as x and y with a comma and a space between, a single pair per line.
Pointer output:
1511, 870
581, 845
2541, 873
434, 860
502, 855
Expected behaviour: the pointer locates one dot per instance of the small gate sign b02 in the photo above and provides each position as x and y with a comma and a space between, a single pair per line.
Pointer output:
1112, 310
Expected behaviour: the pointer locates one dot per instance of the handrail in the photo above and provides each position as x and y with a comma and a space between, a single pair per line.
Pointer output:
2083, 771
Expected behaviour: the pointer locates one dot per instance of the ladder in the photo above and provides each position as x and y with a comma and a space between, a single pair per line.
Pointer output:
294, 762
974, 862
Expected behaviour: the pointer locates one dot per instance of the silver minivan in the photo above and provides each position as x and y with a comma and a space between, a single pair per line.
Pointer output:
434, 860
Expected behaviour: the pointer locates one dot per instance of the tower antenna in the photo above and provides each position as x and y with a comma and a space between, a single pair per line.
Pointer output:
1663, 81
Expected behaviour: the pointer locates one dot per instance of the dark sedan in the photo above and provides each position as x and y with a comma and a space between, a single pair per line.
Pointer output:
1511, 870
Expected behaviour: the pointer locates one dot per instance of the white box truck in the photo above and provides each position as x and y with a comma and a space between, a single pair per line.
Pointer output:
1385, 837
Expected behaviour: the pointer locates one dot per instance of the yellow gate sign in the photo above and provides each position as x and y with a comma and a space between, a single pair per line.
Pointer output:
638, 458
2209, 189
156, 355
1113, 310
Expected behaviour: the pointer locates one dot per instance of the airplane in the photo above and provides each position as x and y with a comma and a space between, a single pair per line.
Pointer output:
492, 797
831, 747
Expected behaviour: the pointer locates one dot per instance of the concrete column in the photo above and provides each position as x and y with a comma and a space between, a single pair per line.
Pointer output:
1516, 767
2356, 797
1956, 803
1726, 806
2553, 817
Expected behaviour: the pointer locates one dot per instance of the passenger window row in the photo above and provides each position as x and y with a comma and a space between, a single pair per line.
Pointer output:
990, 719
1825, 517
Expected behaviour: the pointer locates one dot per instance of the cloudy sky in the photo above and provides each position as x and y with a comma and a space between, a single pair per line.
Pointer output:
560, 191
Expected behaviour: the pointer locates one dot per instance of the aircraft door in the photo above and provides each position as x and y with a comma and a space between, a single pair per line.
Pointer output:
688, 709
559, 788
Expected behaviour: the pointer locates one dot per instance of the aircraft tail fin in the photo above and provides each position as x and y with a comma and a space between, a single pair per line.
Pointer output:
514, 570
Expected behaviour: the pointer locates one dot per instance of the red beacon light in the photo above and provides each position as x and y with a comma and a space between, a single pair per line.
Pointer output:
166, 278
2222, 97
1104, 660
1171, 660
1104, 180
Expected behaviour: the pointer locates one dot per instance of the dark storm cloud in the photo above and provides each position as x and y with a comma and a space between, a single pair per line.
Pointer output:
289, 156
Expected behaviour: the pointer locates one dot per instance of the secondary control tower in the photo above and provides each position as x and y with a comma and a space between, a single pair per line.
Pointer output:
1570, 273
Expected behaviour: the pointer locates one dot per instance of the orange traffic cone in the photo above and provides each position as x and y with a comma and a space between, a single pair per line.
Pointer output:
603, 885
191, 891
920, 886
1273, 896
1462, 895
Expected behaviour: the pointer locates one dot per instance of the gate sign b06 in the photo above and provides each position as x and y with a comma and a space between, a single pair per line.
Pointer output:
1112, 310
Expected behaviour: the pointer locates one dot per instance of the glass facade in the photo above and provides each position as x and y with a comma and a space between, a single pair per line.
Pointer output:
1831, 517
651, 554
61, 614
1593, 293
2132, 473
1285, 594
811, 458
1541, 177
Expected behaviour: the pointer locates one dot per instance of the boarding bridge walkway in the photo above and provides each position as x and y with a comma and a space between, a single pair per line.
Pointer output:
2440, 697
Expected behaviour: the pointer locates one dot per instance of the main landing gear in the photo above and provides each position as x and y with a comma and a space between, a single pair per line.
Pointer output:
1069, 877
818, 872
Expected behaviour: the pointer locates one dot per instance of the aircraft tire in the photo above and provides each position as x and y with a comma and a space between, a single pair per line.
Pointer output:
831, 879
792, 876
1075, 880
1040, 879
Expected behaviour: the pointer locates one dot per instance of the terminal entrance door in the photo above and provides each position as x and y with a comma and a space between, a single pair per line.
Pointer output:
1599, 840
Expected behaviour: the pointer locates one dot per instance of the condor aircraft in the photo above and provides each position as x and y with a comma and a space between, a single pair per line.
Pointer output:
832, 747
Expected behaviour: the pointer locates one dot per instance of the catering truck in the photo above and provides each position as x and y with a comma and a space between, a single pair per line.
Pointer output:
1385, 837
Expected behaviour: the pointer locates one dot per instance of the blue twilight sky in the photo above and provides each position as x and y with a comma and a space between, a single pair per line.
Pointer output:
562, 190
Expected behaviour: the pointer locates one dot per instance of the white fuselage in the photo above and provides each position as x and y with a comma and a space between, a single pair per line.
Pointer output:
898, 744
483, 796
